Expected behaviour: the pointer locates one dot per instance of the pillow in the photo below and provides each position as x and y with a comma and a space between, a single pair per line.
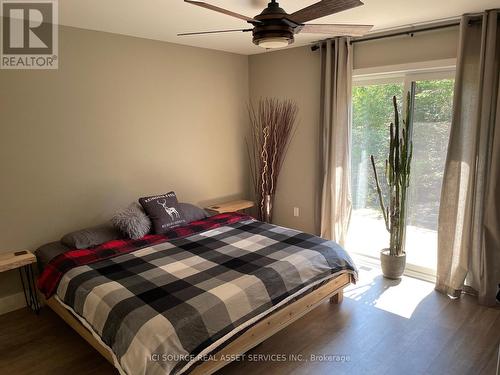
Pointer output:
164, 211
93, 236
132, 221
192, 212
45, 253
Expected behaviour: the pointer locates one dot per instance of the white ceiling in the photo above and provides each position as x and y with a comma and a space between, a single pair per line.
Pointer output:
163, 19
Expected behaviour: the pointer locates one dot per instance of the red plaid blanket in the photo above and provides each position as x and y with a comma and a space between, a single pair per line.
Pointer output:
49, 279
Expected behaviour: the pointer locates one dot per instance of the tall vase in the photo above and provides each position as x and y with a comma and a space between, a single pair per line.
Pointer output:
268, 208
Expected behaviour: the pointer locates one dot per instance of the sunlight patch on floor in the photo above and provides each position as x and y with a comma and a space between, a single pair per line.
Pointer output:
400, 297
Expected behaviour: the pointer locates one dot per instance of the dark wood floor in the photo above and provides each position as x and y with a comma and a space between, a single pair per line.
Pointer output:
382, 327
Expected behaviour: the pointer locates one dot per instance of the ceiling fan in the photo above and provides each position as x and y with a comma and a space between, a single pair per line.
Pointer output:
275, 28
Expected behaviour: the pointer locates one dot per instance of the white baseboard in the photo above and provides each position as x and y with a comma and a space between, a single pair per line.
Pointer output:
12, 302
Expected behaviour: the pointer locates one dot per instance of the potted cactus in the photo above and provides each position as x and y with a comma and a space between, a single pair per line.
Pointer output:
397, 179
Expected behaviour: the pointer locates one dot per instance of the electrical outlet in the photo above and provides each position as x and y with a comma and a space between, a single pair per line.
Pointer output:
296, 211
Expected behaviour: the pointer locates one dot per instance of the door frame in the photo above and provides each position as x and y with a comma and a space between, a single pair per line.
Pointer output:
406, 74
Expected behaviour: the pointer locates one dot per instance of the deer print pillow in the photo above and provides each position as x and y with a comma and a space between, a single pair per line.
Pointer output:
164, 211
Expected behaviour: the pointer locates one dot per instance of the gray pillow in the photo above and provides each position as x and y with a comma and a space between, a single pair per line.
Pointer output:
192, 212
132, 221
93, 236
49, 251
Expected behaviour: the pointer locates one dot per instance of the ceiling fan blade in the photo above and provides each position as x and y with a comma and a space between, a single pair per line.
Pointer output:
323, 8
336, 29
214, 32
220, 10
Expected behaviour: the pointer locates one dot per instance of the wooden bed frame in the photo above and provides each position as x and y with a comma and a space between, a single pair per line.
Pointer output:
252, 337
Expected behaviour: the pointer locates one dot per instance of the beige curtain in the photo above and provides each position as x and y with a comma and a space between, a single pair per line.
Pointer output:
335, 117
469, 215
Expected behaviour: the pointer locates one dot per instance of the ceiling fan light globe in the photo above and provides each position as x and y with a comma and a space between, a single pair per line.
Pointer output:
274, 42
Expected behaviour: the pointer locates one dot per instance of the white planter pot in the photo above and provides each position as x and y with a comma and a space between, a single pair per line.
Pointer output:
393, 266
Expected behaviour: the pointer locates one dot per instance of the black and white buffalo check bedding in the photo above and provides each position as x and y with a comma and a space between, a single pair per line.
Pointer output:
161, 308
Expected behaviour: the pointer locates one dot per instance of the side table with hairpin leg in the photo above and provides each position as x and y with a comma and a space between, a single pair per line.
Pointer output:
23, 260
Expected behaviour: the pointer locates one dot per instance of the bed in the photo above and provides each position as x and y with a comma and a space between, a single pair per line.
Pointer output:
191, 300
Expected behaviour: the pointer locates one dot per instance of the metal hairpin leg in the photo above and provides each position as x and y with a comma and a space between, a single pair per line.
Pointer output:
29, 288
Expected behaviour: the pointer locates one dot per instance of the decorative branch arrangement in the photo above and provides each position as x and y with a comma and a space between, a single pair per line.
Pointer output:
397, 173
272, 125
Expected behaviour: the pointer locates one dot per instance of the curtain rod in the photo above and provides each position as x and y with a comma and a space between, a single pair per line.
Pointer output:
396, 33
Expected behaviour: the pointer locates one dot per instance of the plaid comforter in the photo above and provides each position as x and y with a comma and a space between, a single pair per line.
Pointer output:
163, 307
51, 276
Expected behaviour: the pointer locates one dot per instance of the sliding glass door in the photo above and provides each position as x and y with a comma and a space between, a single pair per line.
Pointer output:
431, 129
372, 114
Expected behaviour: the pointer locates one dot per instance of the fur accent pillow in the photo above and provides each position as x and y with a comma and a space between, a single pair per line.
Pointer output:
132, 221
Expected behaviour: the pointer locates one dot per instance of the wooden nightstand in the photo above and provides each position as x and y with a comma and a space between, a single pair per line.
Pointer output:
232, 206
23, 261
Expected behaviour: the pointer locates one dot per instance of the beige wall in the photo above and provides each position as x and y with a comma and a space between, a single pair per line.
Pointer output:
425, 46
121, 118
294, 74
